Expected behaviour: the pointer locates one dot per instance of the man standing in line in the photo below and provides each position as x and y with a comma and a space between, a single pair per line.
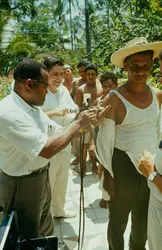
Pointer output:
28, 139
69, 81
81, 70
57, 106
128, 130
95, 90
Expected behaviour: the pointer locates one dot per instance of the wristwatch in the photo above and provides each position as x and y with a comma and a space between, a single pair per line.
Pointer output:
152, 175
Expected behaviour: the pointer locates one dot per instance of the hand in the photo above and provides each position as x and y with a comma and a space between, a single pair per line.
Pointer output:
146, 164
86, 118
92, 154
101, 115
61, 111
109, 183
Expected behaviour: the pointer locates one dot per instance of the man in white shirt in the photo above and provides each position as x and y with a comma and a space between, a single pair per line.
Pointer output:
28, 139
57, 106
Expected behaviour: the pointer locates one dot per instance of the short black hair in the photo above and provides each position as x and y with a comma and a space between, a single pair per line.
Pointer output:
28, 69
160, 55
82, 63
146, 52
52, 61
108, 75
91, 66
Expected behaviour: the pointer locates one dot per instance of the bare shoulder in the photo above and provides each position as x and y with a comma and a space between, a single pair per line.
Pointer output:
112, 99
81, 88
75, 81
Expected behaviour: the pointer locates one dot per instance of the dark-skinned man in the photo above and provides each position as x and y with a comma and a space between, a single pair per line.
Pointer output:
129, 129
28, 139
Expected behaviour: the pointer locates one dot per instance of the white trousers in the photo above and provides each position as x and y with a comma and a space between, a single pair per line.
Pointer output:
59, 171
155, 223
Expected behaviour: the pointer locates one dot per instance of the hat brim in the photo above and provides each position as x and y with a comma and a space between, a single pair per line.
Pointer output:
118, 57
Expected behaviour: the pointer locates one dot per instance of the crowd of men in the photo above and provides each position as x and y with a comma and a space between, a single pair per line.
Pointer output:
38, 133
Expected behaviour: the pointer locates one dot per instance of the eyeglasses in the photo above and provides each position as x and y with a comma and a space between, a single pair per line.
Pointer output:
45, 84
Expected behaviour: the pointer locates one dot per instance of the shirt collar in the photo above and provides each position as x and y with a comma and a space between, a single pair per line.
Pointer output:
57, 91
24, 105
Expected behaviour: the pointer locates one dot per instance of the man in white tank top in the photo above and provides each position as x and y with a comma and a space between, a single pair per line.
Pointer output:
134, 115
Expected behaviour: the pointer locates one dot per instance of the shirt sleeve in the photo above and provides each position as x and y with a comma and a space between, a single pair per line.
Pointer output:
23, 135
70, 103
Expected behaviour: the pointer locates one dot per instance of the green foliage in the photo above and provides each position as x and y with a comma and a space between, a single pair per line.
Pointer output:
51, 27
5, 86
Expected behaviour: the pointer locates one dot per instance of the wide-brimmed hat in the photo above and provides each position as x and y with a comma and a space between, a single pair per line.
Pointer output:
134, 46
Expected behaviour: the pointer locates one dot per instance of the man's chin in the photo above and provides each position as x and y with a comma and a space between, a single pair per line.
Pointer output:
57, 84
41, 103
141, 79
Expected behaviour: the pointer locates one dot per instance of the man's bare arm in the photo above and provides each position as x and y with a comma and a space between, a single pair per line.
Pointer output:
57, 112
56, 143
112, 100
78, 98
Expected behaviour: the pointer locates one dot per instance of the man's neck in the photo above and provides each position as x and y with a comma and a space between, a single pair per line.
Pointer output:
134, 87
91, 85
53, 89
68, 81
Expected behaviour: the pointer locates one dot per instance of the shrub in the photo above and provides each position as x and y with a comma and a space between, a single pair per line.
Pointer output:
5, 85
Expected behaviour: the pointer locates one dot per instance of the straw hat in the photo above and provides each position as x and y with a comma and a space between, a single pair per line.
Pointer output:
134, 46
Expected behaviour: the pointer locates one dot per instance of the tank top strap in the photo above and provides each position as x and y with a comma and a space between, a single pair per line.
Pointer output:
126, 103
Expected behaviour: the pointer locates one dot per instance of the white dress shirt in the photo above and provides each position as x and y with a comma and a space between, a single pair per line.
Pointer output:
24, 131
60, 99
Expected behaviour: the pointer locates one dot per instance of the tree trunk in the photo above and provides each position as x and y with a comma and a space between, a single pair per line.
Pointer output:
108, 13
87, 31
71, 26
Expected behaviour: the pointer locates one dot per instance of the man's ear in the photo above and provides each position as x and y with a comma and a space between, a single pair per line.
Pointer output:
125, 66
28, 84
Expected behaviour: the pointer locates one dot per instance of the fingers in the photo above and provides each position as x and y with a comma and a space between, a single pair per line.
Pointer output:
65, 111
104, 113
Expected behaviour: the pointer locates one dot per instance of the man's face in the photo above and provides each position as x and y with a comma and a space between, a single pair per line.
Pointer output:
91, 76
56, 75
81, 71
138, 68
68, 73
108, 85
39, 89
